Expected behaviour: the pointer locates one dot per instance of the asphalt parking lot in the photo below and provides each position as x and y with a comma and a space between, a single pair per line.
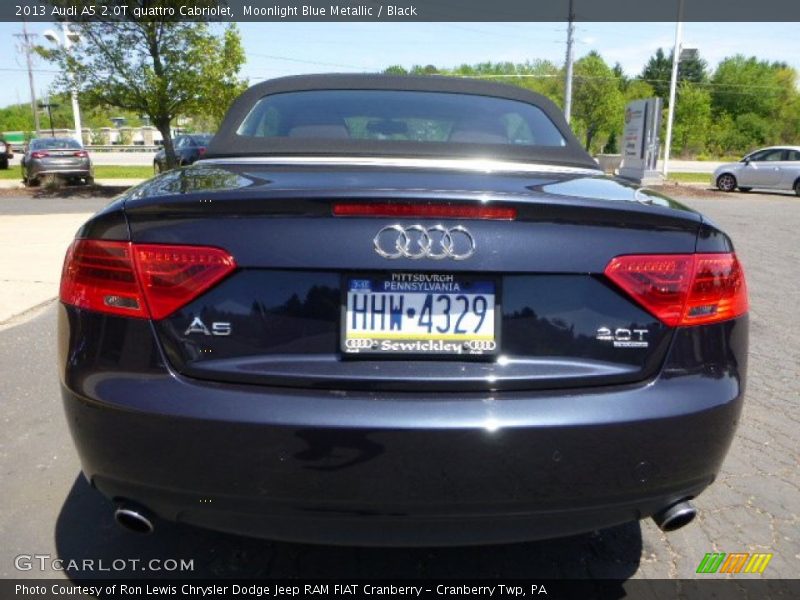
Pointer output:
48, 508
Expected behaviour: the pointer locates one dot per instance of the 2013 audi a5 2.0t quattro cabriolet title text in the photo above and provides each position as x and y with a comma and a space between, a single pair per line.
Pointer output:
398, 310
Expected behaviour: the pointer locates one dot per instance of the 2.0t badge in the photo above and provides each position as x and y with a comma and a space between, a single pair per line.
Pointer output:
623, 337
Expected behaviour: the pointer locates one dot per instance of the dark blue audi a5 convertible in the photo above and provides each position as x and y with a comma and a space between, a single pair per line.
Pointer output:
400, 311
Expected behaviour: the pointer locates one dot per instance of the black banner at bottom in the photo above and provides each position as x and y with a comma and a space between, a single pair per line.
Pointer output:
689, 589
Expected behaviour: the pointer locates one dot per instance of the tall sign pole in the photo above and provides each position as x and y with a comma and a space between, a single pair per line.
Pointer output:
673, 85
568, 83
76, 109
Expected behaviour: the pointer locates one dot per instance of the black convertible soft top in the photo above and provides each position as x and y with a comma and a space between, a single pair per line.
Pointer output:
229, 142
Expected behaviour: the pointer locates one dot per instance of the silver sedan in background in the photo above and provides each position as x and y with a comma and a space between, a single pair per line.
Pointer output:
61, 157
774, 168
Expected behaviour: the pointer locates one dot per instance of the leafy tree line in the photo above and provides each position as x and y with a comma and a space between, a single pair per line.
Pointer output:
741, 104
18, 117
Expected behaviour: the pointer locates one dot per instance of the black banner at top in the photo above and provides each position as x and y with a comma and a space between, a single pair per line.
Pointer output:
403, 10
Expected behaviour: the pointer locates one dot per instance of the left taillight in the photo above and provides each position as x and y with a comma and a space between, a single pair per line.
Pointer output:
139, 280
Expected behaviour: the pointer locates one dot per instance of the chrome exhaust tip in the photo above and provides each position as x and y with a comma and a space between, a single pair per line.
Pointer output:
675, 516
134, 518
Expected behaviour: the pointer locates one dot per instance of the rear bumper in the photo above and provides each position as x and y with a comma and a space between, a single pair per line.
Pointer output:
69, 171
393, 468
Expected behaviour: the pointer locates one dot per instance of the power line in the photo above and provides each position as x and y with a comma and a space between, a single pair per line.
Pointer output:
32, 70
300, 60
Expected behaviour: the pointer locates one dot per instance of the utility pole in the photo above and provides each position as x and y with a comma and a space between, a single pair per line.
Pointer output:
26, 43
568, 83
673, 85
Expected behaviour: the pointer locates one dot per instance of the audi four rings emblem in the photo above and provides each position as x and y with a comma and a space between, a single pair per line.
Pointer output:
416, 241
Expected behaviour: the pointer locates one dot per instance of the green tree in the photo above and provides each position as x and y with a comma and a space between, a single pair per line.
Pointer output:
395, 70
788, 121
638, 90
748, 85
692, 69
18, 117
692, 119
426, 70
159, 69
745, 132
622, 80
658, 72
597, 101
541, 76
220, 84
759, 99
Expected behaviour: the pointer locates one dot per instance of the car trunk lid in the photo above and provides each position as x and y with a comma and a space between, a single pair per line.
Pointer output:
279, 319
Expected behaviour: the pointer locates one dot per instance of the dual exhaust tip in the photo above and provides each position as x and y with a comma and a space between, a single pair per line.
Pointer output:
675, 516
134, 518
140, 520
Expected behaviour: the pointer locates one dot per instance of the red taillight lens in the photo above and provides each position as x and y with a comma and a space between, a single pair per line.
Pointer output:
683, 289
39, 154
172, 276
409, 210
100, 276
81, 154
139, 280
719, 291
201, 150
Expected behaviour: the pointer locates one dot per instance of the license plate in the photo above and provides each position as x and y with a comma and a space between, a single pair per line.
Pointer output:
419, 313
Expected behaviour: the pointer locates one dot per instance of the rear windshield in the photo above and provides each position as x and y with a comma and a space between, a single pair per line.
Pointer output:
55, 144
402, 116
201, 139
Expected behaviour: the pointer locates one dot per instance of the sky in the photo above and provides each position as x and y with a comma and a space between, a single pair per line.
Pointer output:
276, 49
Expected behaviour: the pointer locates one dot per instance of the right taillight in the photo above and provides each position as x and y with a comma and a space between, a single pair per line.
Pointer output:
139, 280
683, 289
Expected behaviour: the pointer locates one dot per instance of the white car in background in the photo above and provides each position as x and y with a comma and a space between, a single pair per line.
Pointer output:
774, 168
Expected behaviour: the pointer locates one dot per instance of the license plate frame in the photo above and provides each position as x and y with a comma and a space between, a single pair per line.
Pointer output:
465, 354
